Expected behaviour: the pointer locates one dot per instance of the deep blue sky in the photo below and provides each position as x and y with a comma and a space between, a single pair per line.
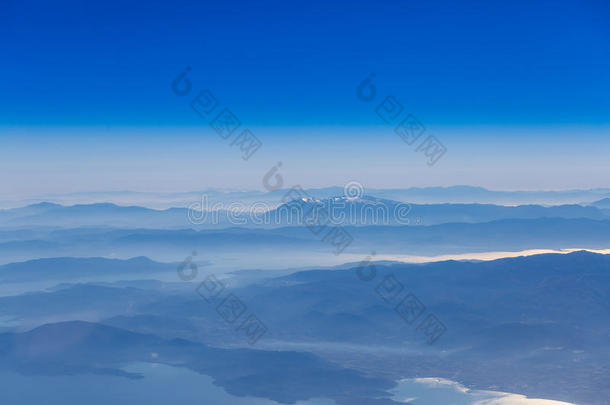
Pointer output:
297, 63
469, 70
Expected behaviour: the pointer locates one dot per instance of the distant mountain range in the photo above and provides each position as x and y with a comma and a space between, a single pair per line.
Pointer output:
99, 214
419, 195
375, 211
367, 210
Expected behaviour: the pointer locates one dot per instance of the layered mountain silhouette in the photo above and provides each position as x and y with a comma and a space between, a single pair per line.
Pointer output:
546, 316
367, 210
299, 241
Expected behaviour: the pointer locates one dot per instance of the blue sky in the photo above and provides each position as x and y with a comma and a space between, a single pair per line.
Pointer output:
519, 92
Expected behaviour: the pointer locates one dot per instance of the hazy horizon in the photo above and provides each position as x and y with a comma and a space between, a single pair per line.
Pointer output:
45, 161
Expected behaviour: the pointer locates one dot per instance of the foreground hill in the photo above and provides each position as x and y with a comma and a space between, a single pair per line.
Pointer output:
77, 347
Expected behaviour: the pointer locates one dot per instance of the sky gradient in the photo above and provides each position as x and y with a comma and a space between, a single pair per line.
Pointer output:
518, 92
